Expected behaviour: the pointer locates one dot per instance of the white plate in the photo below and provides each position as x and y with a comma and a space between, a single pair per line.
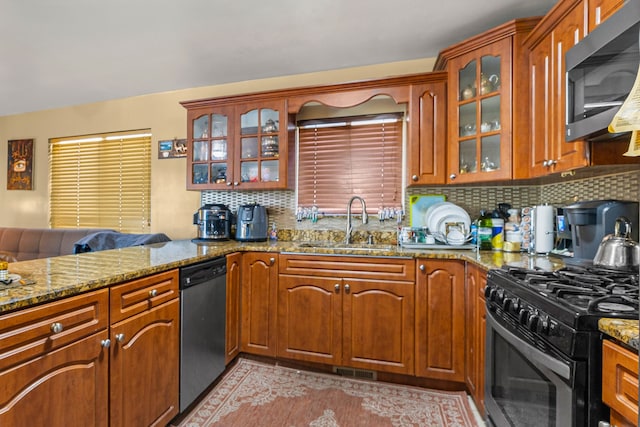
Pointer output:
440, 214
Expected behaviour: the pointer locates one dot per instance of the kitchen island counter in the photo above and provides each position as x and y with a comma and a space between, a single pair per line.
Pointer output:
69, 275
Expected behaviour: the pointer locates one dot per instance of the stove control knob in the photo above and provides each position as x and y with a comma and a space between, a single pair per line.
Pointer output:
487, 291
516, 305
534, 320
499, 296
507, 303
523, 316
492, 294
543, 325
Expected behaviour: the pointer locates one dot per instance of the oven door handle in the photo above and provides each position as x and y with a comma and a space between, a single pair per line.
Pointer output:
542, 359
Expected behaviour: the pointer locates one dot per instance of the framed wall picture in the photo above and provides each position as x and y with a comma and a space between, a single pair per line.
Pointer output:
20, 164
172, 148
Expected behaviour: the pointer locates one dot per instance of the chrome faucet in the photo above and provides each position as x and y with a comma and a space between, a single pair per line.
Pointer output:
364, 216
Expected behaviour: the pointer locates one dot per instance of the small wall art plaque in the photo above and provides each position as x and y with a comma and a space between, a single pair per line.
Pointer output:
20, 164
172, 148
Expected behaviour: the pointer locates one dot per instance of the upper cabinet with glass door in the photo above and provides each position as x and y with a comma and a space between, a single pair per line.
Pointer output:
484, 89
234, 146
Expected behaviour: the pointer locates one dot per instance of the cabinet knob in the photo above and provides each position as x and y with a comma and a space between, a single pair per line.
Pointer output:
422, 268
452, 176
336, 287
153, 293
57, 327
414, 178
553, 162
236, 183
545, 163
272, 261
347, 288
229, 183
105, 343
119, 337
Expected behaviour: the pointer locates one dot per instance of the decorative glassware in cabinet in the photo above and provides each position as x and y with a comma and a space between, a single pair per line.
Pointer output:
270, 170
490, 114
467, 81
201, 127
489, 74
490, 153
249, 148
249, 171
200, 173
467, 119
467, 156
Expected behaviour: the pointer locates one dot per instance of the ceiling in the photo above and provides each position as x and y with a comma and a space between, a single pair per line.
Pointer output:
70, 52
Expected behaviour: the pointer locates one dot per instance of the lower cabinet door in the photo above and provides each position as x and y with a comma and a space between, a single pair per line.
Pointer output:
62, 388
440, 320
310, 319
378, 325
144, 367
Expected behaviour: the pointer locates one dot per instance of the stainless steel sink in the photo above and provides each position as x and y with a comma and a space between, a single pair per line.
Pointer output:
346, 247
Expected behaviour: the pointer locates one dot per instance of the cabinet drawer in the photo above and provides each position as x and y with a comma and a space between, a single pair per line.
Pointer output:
31, 332
355, 267
620, 379
142, 294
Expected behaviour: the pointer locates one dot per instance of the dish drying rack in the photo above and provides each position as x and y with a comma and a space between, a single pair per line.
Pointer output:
421, 238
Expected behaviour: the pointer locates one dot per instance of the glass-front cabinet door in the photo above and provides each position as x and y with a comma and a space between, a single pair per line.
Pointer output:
210, 149
237, 146
260, 145
480, 140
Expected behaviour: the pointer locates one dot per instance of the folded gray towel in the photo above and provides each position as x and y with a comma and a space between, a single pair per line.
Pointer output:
113, 240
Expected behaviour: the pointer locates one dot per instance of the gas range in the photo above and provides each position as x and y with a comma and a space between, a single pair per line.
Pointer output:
560, 308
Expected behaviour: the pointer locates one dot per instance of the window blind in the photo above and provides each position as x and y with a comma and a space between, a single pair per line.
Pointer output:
353, 157
101, 181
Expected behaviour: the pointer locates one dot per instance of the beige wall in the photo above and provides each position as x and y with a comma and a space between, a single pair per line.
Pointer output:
172, 207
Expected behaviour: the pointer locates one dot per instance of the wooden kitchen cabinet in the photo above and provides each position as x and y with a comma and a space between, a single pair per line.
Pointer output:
620, 383
232, 324
426, 162
475, 322
145, 347
54, 367
548, 43
440, 319
355, 312
487, 96
599, 11
258, 295
236, 144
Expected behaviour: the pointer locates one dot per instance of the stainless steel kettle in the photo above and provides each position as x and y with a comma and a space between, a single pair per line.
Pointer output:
618, 250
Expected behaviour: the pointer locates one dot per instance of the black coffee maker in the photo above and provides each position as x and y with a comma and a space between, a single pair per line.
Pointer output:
214, 222
590, 221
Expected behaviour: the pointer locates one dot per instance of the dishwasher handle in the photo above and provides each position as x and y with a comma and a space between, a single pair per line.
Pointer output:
202, 272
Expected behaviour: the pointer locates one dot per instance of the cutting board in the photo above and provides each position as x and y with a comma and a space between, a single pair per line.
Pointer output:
418, 205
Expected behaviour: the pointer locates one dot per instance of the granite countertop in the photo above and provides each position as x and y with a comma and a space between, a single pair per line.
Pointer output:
625, 331
73, 274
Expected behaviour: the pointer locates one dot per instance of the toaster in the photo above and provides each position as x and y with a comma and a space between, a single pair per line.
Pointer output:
251, 223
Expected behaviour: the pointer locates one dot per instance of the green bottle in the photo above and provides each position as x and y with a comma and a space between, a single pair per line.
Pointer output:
485, 224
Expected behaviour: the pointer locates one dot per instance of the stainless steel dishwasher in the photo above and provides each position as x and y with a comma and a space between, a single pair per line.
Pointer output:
202, 327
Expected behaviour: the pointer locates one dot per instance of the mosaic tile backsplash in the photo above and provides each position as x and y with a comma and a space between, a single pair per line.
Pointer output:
281, 204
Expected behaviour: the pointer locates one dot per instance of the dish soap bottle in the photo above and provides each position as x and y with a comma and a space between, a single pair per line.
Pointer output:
485, 224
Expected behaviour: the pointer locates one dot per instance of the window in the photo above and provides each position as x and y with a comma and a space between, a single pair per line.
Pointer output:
341, 158
101, 181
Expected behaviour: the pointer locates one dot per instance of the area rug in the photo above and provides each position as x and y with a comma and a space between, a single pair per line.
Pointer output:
258, 394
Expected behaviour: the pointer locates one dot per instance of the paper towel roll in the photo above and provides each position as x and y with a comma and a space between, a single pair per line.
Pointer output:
543, 231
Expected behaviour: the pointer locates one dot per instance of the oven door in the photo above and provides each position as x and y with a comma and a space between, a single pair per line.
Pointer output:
525, 386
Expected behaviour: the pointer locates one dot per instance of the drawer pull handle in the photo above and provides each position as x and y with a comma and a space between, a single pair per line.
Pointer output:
336, 287
422, 268
153, 293
119, 337
105, 343
347, 288
272, 261
57, 327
